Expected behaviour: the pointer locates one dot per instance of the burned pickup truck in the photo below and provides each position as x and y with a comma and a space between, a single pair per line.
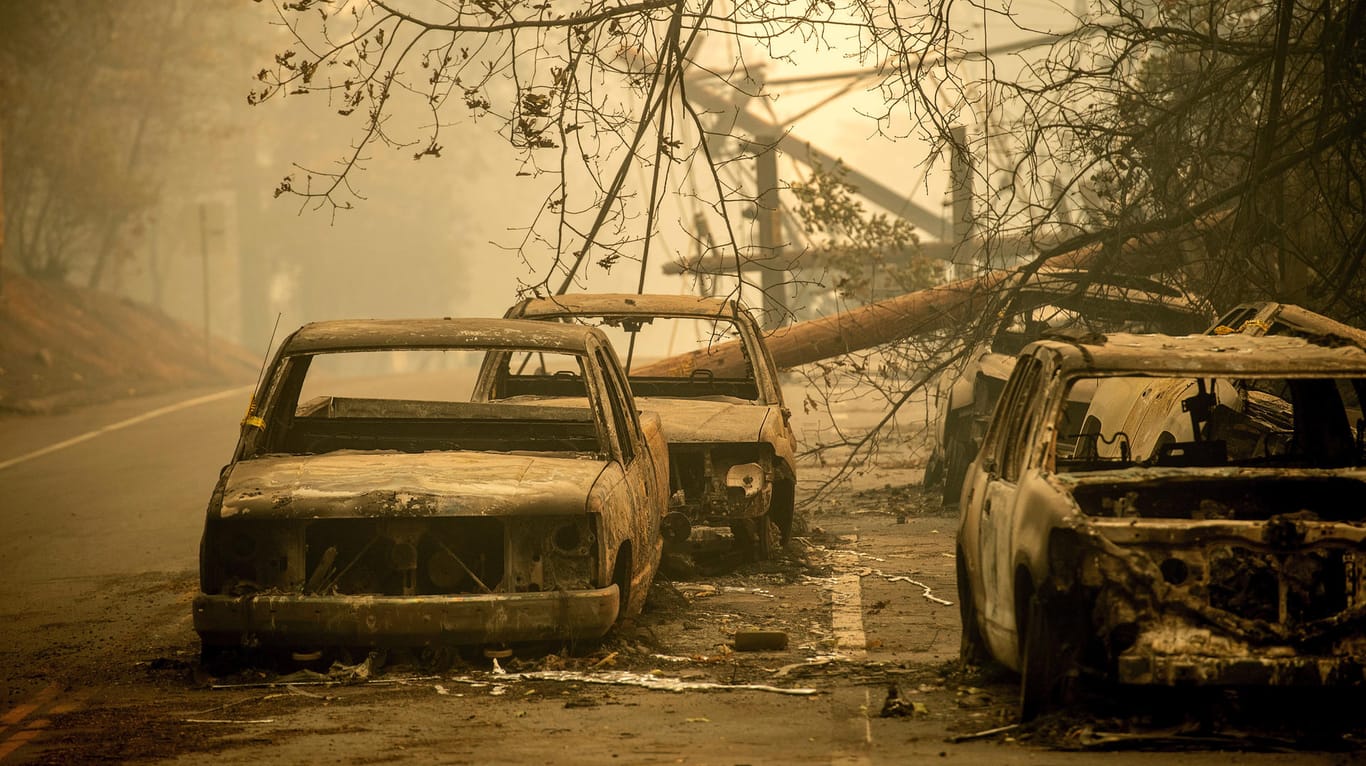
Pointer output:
370, 503
1160, 511
731, 449
1051, 301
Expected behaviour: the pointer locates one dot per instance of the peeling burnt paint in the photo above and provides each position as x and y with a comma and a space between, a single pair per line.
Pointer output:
1220, 602
349, 483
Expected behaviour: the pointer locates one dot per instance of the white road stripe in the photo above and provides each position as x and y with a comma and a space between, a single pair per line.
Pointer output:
158, 412
846, 618
846, 607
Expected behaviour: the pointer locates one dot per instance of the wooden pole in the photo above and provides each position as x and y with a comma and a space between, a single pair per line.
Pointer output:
956, 304
772, 280
858, 328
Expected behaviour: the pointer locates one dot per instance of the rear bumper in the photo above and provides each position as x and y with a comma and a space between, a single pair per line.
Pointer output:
1189, 670
300, 620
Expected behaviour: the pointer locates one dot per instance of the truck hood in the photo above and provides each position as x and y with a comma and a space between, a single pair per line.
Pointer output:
707, 420
1221, 494
388, 484
1216, 560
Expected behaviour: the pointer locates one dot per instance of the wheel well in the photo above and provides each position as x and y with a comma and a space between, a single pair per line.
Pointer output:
621, 576
781, 507
964, 586
960, 567
1024, 594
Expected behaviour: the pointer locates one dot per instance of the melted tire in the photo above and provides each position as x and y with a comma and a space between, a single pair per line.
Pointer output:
957, 456
756, 539
972, 648
1047, 663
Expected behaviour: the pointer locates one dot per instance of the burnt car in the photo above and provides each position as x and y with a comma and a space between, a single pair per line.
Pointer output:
370, 503
1162, 512
1051, 301
731, 448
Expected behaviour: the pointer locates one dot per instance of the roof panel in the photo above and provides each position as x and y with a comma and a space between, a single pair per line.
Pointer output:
597, 304
1208, 354
366, 334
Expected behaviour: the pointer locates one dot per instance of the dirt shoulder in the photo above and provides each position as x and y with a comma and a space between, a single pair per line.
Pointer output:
63, 346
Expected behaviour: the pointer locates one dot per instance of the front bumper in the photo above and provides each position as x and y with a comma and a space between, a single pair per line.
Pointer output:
300, 620
1194, 670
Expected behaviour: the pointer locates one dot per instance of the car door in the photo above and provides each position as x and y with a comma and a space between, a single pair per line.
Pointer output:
998, 513
770, 387
630, 443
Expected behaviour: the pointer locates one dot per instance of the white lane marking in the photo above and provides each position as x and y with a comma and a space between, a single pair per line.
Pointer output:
846, 620
158, 412
867, 717
846, 607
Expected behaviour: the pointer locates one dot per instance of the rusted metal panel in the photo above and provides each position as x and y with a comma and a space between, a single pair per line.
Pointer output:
701, 420
1208, 355
365, 483
355, 334
294, 620
624, 304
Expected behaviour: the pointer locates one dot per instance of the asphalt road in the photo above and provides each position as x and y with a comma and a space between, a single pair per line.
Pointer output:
123, 501
98, 547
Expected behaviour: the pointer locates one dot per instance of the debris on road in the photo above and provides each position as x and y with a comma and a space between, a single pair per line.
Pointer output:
927, 592
1178, 738
311, 678
983, 734
897, 706
652, 681
811, 663
691, 591
760, 640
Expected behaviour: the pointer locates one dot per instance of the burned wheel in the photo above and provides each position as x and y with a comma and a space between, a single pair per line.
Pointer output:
958, 454
756, 538
934, 469
766, 537
972, 648
215, 657
1047, 659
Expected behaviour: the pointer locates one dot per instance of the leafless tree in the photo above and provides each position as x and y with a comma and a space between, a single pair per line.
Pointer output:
1239, 121
95, 100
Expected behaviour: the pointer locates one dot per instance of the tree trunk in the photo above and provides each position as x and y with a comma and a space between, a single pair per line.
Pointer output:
957, 303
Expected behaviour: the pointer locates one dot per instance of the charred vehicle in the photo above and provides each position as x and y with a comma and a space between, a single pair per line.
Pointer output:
365, 508
1054, 300
731, 448
1159, 511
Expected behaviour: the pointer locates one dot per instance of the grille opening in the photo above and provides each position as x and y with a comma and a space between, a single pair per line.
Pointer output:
1248, 583
445, 558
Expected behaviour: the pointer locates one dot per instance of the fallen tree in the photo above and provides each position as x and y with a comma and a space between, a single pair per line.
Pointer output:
962, 303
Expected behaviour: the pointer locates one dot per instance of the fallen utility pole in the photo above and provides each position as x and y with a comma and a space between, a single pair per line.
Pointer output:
957, 303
